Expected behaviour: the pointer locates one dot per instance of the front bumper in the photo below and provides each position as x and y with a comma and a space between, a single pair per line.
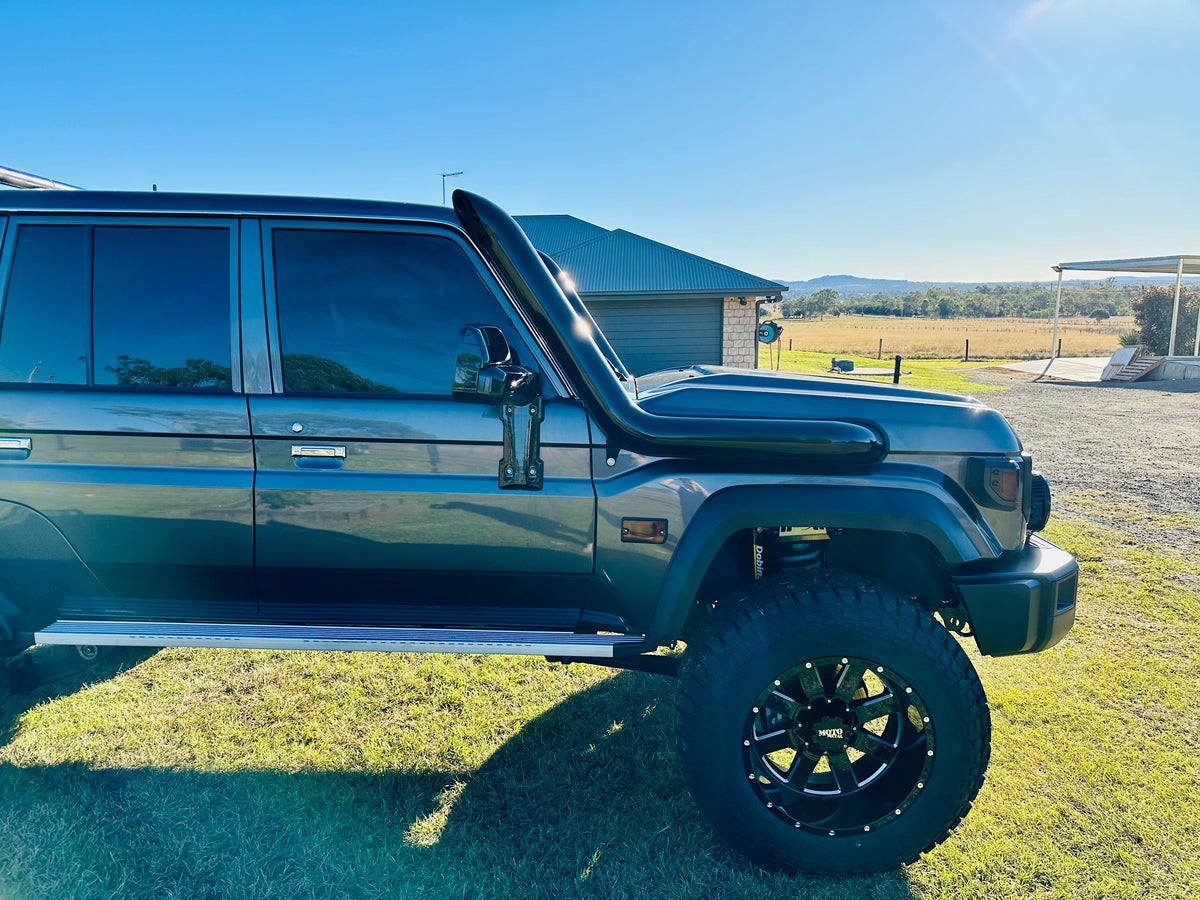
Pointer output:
1022, 602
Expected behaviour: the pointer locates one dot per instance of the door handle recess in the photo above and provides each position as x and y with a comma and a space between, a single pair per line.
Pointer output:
318, 456
15, 448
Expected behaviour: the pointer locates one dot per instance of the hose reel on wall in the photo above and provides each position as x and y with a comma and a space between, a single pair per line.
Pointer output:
770, 333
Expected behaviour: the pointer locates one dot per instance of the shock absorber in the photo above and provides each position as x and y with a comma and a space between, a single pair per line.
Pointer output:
787, 548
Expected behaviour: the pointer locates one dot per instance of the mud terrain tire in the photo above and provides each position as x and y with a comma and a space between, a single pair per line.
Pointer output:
829, 724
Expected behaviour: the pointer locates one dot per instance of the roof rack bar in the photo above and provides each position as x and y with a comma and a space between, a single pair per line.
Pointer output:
18, 179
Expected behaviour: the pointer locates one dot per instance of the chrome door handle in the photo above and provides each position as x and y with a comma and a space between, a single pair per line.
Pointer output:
313, 451
318, 456
15, 448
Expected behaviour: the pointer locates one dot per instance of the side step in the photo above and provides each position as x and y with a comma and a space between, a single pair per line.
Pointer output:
333, 637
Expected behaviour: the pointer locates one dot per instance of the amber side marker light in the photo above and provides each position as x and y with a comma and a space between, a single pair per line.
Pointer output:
643, 531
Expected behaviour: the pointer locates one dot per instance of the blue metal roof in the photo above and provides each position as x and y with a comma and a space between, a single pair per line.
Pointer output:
553, 234
620, 263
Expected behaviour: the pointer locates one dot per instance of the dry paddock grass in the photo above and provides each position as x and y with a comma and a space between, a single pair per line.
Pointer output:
921, 338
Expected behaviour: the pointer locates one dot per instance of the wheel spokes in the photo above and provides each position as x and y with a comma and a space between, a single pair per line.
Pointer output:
772, 741
850, 681
874, 708
843, 772
875, 747
801, 768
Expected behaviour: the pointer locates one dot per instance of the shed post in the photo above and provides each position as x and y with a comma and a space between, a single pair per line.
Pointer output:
1175, 308
1196, 344
1057, 304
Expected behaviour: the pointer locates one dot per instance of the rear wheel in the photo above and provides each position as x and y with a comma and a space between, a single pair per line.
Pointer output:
831, 725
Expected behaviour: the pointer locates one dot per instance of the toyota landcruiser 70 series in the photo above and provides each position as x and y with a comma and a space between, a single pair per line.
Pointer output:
265, 422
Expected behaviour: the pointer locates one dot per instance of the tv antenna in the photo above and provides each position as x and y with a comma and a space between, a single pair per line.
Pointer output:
446, 175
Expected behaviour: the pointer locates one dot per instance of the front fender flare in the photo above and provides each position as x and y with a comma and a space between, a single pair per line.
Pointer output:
905, 506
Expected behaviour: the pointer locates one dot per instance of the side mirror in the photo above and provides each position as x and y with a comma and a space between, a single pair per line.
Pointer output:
484, 371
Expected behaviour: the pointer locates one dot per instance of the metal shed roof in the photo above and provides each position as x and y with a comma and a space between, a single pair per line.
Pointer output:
620, 263
551, 234
1161, 265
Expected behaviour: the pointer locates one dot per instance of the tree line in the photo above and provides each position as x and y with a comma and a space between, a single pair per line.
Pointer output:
1150, 305
1099, 300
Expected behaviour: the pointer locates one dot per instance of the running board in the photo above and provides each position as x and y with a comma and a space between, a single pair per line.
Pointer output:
333, 637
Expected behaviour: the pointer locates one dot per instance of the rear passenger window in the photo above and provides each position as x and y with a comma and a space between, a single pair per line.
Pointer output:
120, 306
376, 312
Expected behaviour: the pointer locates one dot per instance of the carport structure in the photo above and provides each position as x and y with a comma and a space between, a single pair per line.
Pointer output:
1157, 265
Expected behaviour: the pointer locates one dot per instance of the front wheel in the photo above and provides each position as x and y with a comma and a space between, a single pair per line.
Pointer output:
829, 724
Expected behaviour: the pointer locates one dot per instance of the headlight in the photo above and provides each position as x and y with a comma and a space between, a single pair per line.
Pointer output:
995, 482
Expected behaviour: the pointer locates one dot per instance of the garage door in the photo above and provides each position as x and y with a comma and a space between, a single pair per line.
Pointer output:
650, 335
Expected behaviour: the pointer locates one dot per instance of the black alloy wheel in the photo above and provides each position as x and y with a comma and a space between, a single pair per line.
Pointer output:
838, 745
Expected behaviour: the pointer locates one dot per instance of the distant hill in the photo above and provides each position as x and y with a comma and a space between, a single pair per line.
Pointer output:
853, 286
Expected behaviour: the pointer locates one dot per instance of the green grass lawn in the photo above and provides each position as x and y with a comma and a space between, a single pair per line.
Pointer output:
236, 774
948, 375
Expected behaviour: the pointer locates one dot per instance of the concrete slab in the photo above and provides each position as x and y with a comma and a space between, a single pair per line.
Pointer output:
1177, 368
1066, 368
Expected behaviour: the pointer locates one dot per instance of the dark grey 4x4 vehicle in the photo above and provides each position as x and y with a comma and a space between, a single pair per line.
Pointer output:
289, 423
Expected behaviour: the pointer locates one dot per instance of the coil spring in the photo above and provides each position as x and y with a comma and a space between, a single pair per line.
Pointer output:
800, 555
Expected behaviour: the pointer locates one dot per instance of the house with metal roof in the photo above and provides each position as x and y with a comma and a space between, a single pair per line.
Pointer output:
659, 306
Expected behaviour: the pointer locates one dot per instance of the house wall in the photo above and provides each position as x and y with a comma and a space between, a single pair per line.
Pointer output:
650, 335
739, 345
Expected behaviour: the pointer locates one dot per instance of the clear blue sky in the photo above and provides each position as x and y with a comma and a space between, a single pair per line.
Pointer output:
964, 140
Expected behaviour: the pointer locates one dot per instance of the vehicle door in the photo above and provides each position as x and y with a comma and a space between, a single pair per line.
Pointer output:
378, 497
124, 439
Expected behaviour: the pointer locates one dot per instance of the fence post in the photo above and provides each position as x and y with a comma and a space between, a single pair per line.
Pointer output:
1059, 353
967, 351
880, 356
896, 374
789, 343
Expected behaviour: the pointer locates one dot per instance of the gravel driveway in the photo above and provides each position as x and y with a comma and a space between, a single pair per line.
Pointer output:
1125, 456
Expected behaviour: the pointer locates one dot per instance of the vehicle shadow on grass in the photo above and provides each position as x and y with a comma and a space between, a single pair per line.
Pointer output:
584, 801
44, 672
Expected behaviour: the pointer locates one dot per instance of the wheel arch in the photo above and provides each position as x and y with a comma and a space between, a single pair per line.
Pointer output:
39, 569
922, 511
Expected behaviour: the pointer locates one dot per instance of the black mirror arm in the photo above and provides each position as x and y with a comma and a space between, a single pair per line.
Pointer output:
522, 466
485, 372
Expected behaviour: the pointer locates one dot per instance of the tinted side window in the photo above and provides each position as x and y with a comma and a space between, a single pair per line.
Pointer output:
161, 307
376, 312
44, 334
116, 305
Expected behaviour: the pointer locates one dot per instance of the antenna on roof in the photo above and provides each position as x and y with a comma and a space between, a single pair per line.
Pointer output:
18, 179
446, 175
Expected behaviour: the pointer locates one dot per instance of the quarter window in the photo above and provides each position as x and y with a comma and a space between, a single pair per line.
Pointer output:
376, 312
45, 327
